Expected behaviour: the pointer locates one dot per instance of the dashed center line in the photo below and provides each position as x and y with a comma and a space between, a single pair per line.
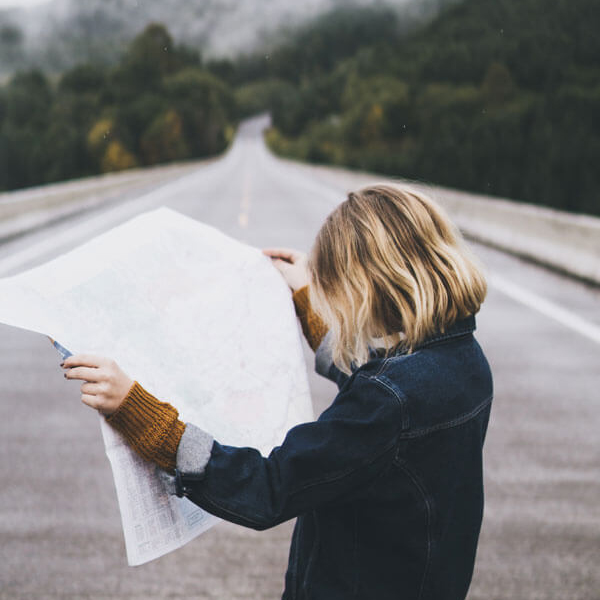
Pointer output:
244, 216
243, 220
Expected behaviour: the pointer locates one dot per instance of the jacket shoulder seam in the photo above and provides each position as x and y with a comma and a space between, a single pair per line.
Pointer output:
460, 420
383, 382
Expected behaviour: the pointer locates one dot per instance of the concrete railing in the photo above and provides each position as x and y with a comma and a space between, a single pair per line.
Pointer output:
562, 241
566, 242
24, 210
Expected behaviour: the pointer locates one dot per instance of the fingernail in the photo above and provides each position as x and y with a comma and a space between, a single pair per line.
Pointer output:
62, 364
65, 375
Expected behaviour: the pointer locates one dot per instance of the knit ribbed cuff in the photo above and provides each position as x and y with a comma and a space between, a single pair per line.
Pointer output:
312, 325
151, 427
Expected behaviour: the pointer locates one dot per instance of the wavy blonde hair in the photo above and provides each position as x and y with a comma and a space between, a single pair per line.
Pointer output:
389, 269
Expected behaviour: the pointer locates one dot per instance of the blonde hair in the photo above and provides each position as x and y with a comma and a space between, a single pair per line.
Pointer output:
388, 270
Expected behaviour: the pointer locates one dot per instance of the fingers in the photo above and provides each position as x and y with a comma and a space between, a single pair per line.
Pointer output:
85, 373
85, 360
87, 367
105, 385
287, 254
89, 400
92, 389
93, 402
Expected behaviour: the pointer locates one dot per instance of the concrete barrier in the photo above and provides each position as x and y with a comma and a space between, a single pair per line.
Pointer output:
24, 210
566, 242
563, 241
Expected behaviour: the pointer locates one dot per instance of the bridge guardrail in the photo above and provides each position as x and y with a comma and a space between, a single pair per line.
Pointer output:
567, 242
24, 210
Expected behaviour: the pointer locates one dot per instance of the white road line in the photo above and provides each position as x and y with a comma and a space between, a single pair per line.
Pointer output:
244, 215
243, 220
545, 307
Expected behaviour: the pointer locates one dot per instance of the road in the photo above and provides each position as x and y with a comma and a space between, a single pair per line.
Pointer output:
60, 528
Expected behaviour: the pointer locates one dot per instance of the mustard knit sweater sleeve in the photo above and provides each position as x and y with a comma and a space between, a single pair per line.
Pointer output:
153, 429
312, 325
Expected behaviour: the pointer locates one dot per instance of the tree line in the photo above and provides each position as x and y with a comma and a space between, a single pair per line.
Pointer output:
159, 104
494, 96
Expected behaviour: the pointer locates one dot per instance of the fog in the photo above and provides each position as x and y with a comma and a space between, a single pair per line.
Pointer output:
59, 33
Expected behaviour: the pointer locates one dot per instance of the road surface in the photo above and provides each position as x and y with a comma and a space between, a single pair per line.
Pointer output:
60, 528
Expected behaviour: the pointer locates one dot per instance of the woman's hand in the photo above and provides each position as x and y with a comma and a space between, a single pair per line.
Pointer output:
292, 264
105, 384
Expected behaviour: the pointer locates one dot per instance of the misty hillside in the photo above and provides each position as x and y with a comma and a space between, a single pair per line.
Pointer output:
61, 33
495, 96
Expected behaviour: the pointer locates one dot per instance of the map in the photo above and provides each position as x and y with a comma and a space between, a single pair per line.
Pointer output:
201, 321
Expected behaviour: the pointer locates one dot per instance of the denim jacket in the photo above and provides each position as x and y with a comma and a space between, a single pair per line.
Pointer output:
386, 484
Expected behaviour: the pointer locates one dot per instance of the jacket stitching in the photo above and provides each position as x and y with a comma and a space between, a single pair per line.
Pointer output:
449, 336
296, 558
448, 424
400, 397
313, 552
244, 518
429, 510
356, 562
384, 364
346, 472
258, 521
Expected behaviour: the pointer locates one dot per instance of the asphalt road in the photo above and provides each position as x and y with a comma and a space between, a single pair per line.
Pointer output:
60, 530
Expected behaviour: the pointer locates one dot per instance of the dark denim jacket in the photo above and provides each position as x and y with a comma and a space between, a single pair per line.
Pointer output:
386, 485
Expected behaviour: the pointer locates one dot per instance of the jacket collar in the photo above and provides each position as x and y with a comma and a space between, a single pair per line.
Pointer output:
457, 329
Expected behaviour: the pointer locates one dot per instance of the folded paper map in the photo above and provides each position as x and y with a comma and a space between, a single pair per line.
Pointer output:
200, 320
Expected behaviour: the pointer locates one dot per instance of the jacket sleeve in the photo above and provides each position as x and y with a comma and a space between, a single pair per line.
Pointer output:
317, 463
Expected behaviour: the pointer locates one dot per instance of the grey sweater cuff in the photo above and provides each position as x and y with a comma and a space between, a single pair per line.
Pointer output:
194, 450
323, 360
193, 454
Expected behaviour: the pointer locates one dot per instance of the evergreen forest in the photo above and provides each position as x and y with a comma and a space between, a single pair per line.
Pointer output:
494, 96
157, 105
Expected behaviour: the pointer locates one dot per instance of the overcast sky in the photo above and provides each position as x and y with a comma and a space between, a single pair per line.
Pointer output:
13, 3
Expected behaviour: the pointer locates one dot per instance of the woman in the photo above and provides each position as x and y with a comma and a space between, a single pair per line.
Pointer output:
387, 484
